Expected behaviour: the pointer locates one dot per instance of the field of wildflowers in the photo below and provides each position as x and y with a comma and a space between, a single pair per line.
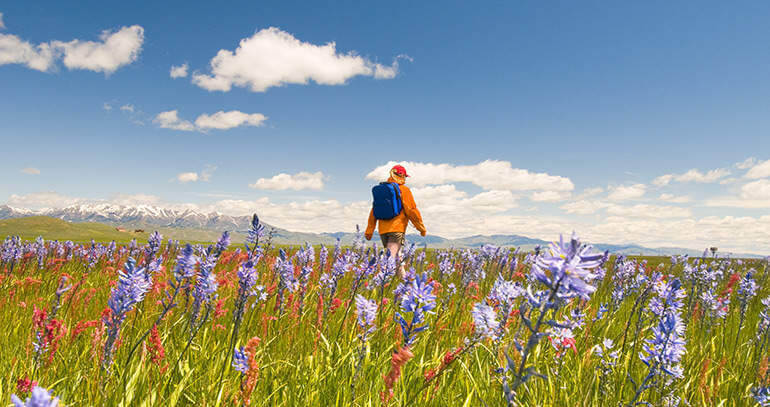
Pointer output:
251, 324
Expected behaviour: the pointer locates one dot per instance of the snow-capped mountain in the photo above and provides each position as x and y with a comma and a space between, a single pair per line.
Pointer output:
144, 215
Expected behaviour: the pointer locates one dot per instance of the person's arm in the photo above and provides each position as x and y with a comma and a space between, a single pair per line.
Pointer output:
410, 208
370, 226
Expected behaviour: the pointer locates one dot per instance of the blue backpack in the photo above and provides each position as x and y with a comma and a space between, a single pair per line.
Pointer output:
387, 200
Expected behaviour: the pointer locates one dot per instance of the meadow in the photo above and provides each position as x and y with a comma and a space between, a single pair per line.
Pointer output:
237, 323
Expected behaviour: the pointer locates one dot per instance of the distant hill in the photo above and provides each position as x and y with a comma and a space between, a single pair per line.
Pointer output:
189, 225
56, 229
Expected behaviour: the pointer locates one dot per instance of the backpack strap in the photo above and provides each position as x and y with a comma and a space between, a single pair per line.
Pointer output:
398, 192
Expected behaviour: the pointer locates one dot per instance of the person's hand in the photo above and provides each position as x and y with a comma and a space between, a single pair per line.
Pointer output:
423, 233
368, 236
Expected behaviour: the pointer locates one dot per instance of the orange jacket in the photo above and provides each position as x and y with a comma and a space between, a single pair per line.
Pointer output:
399, 223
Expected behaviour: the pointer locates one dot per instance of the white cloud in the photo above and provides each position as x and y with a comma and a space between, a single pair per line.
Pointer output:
622, 193
2, 24
297, 182
663, 180
42, 200
204, 175
219, 121
178, 71
753, 195
589, 192
171, 120
106, 106
584, 207
127, 108
115, 50
187, 177
549, 196
30, 171
228, 120
674, 199
649, 211
489, 175
15, 51
760, 170
272, 57
746, 164
692, 175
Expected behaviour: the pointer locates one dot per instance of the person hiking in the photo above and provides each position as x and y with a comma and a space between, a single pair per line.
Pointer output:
392, 230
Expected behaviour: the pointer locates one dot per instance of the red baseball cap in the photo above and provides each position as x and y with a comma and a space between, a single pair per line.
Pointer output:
400, 170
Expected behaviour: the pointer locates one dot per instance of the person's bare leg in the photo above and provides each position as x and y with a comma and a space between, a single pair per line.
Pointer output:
394, 248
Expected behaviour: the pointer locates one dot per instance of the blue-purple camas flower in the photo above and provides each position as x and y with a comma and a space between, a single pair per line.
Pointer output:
418, 300
568, 268
485, 321
241, 360
366, 312
40, 397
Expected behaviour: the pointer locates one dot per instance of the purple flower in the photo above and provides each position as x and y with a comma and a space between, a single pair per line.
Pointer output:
485, 320
256, 231
568, 268
40, 397
417, 300
366, 311
241, 360
223, 242
761, 395
667, 346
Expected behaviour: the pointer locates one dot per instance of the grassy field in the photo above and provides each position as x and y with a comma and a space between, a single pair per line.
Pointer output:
311, 350
31, 227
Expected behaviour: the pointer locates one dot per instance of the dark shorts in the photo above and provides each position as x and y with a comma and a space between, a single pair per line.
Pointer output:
392, 237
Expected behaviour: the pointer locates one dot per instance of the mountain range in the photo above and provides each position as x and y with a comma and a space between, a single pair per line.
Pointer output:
188, 224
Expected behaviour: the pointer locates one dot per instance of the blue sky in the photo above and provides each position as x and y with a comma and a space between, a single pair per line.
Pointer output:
593, 95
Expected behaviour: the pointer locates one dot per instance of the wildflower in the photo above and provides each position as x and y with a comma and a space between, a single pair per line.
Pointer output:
256, 232
568, 269
133, 283
761, 395
40, 397
418, 300
25, 385
366, 311
241, 361
485, 320
397, 361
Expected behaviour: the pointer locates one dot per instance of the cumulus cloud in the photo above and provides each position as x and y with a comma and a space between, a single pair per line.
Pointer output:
218, 121
187, 177
746, 164
171, 120
204, 175
42, 200
106, 106
759, 170
127, 108
228, 120
549, 196
114, 50
13, 50
584, 207
178, 71
649, 211
622, 193
30, 171
272, 57
692, 175
489, 175
296, 182
2, 24
674, 199
753, 195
